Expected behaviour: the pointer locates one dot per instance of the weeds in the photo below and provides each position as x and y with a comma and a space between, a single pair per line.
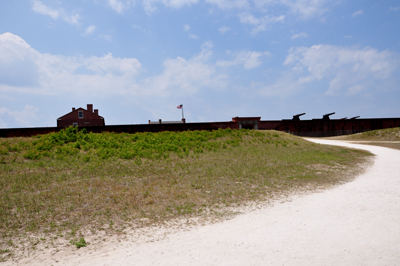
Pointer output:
79, 244
74, 142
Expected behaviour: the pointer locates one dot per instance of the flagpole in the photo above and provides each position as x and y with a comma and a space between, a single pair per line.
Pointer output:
182, 112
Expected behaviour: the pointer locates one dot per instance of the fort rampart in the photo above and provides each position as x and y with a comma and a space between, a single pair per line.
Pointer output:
307, 128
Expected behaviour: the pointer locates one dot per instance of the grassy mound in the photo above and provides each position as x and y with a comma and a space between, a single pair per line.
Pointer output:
389, 138
388, 134
62, 183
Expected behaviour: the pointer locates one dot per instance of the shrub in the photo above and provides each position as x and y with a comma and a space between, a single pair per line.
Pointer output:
72, 141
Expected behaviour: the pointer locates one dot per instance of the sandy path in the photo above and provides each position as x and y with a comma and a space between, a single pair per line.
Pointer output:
354, 224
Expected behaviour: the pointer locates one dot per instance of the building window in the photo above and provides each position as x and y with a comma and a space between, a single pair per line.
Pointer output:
80, 114
75, 124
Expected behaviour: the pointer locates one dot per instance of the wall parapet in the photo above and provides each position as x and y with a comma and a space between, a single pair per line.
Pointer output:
306, 128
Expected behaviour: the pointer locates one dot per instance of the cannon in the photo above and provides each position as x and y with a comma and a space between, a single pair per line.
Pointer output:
297, 117
355, 117
326, 116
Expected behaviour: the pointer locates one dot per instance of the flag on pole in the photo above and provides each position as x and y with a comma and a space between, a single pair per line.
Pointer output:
181, 107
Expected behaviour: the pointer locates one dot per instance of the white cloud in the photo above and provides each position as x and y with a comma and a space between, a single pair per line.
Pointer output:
260, 24
303, 9
394, 8
178, 3
89, 30
72, 19
248, 59
40, 8
346, 68
110, 65
193, 36
205, 53
299, 35
150, 5
46, 74
356, 89
186, 77
116, 5
33, 72
225, 4
9, 39
186, 27
106, 37
224, 29
357, 13
306, 9
25, 118
17, 63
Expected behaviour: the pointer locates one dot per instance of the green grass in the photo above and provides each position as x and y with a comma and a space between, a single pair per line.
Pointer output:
63, 184
79, 244
389, 137
388, 134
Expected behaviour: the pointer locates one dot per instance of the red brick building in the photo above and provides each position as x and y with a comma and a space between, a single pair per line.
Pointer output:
81, 117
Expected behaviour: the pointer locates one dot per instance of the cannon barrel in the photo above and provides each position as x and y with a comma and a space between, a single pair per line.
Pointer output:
300, 114
329, 114
326, 116
296, 117
355, 117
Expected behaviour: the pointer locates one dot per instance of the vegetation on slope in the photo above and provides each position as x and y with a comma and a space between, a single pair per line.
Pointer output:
389, 137
61, 184
388, 134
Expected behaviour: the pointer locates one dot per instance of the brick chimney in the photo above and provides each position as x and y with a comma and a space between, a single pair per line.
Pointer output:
73, 109
90, 108
96, 111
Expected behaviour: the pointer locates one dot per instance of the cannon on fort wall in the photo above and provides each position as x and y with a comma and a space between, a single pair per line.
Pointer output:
297, 117
326, 116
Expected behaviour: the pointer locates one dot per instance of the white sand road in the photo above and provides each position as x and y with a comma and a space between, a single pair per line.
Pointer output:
357, 223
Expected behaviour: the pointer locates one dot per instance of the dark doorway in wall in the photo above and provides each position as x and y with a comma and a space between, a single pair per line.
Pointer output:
248, 126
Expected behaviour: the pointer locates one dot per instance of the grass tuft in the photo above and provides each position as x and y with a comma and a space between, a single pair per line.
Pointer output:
79, 244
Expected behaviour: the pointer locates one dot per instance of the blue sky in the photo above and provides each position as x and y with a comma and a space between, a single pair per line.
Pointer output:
137, 60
